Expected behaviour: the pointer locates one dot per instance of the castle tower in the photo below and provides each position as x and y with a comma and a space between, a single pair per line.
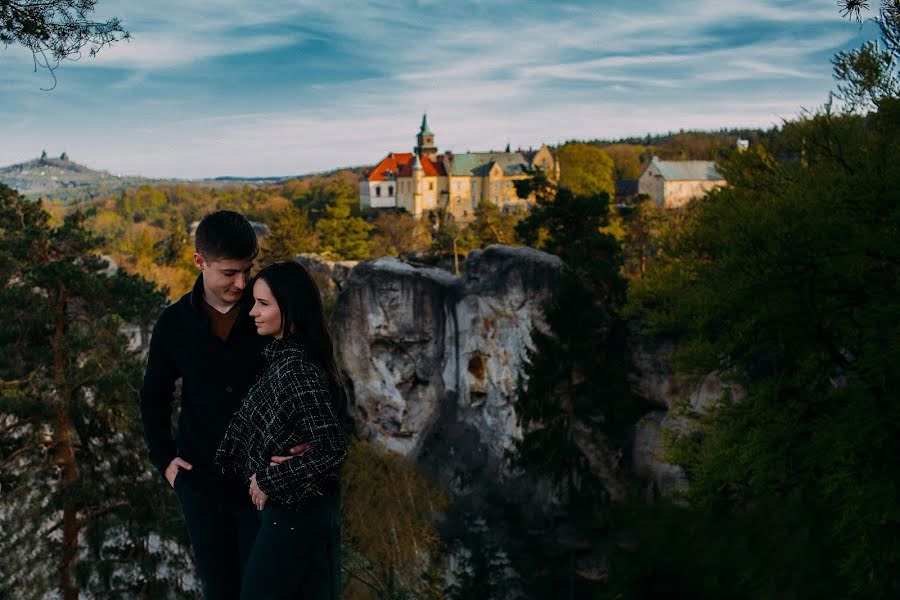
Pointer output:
425, 140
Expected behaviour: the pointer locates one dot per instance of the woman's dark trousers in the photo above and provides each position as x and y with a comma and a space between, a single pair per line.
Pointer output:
296, 553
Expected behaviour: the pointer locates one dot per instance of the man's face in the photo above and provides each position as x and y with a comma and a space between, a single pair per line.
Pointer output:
224, 279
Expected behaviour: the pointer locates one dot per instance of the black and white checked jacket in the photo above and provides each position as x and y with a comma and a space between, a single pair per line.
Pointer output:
289, 405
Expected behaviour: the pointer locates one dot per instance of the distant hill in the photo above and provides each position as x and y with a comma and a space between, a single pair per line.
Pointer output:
63, 179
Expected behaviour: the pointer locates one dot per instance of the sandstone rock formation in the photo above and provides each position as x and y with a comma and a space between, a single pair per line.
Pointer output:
434, 362
417, 343
677, 399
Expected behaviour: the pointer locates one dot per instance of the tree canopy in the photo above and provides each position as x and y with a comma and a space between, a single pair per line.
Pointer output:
786, 281
56, 30
79, 503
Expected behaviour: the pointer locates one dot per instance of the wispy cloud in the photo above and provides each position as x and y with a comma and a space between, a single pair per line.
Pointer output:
226, 86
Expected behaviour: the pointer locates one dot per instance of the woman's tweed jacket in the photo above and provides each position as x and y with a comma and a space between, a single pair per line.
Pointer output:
289, 405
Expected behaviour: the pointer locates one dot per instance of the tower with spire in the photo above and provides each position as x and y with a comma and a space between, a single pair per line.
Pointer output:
425, 139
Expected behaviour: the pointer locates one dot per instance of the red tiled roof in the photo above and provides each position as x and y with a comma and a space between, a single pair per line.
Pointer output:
401, 165
392, 162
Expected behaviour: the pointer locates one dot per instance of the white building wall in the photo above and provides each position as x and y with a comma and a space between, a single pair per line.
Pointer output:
382, 194
651, 183
679, 193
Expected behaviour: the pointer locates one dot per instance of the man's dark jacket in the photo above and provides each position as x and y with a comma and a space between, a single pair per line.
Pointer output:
215, 377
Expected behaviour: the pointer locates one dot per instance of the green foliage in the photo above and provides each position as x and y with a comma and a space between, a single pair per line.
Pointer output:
869, 74
320, 195
492, 225
866, 75
388, 511
788, 280
80, 504
483, 569
628, 159
451, 239
289, 234
570, 227
586, 170
574, 385
397, 233
56, 30
643, 225
341, 236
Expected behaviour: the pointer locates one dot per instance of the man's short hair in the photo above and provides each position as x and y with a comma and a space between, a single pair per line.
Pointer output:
225, 234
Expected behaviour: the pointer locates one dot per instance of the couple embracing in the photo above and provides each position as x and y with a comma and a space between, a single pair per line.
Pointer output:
254, 462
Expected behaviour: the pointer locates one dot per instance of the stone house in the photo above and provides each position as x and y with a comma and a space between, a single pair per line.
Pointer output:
674, 183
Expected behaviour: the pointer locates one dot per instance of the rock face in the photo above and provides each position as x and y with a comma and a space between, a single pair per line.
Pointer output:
677, 400
434, 362
421, 346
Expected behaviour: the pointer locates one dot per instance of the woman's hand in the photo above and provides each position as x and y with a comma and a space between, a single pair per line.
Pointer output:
258, 496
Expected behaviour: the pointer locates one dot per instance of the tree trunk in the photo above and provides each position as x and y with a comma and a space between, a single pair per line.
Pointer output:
64, 447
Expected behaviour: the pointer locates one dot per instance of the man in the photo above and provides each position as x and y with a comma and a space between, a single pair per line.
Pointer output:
207, 340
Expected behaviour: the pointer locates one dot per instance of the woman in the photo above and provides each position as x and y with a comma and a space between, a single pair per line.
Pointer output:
296, 552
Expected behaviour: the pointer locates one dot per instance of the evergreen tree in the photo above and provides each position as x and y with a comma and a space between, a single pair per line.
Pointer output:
493, 226
80, 509
342, 236
289, 234
574, 384
643, 225
787, 281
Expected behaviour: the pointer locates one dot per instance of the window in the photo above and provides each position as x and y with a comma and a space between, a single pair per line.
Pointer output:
430, 186
473, 202
390, 190
496, 199
378, 190
496, 185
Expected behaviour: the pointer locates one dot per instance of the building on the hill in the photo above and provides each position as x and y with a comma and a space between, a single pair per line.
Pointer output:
674, 183
423, 180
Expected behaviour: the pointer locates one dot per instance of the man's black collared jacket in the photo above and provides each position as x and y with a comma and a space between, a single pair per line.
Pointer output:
215, 376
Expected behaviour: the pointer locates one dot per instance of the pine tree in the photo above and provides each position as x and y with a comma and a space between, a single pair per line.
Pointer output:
574, 386
80, 509
493, 226
342, 236
289, 235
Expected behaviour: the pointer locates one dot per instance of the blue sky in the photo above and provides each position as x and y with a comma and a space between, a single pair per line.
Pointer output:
229, 87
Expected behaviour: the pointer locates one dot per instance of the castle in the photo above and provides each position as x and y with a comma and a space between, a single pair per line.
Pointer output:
423, 180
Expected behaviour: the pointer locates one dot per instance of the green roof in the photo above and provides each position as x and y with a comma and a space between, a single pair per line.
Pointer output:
479, 164
688, 170
424, 129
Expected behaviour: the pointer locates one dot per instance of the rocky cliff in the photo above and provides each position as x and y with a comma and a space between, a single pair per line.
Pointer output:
429, 353
434, 362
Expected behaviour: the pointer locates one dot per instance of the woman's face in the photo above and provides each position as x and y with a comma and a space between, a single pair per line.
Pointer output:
265, 311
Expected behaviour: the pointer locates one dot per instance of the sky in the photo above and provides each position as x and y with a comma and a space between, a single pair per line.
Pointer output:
228, 87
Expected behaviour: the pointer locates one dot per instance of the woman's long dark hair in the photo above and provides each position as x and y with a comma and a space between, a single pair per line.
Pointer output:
303, 317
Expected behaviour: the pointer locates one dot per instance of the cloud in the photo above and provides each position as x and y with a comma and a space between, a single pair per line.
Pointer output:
266, 88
